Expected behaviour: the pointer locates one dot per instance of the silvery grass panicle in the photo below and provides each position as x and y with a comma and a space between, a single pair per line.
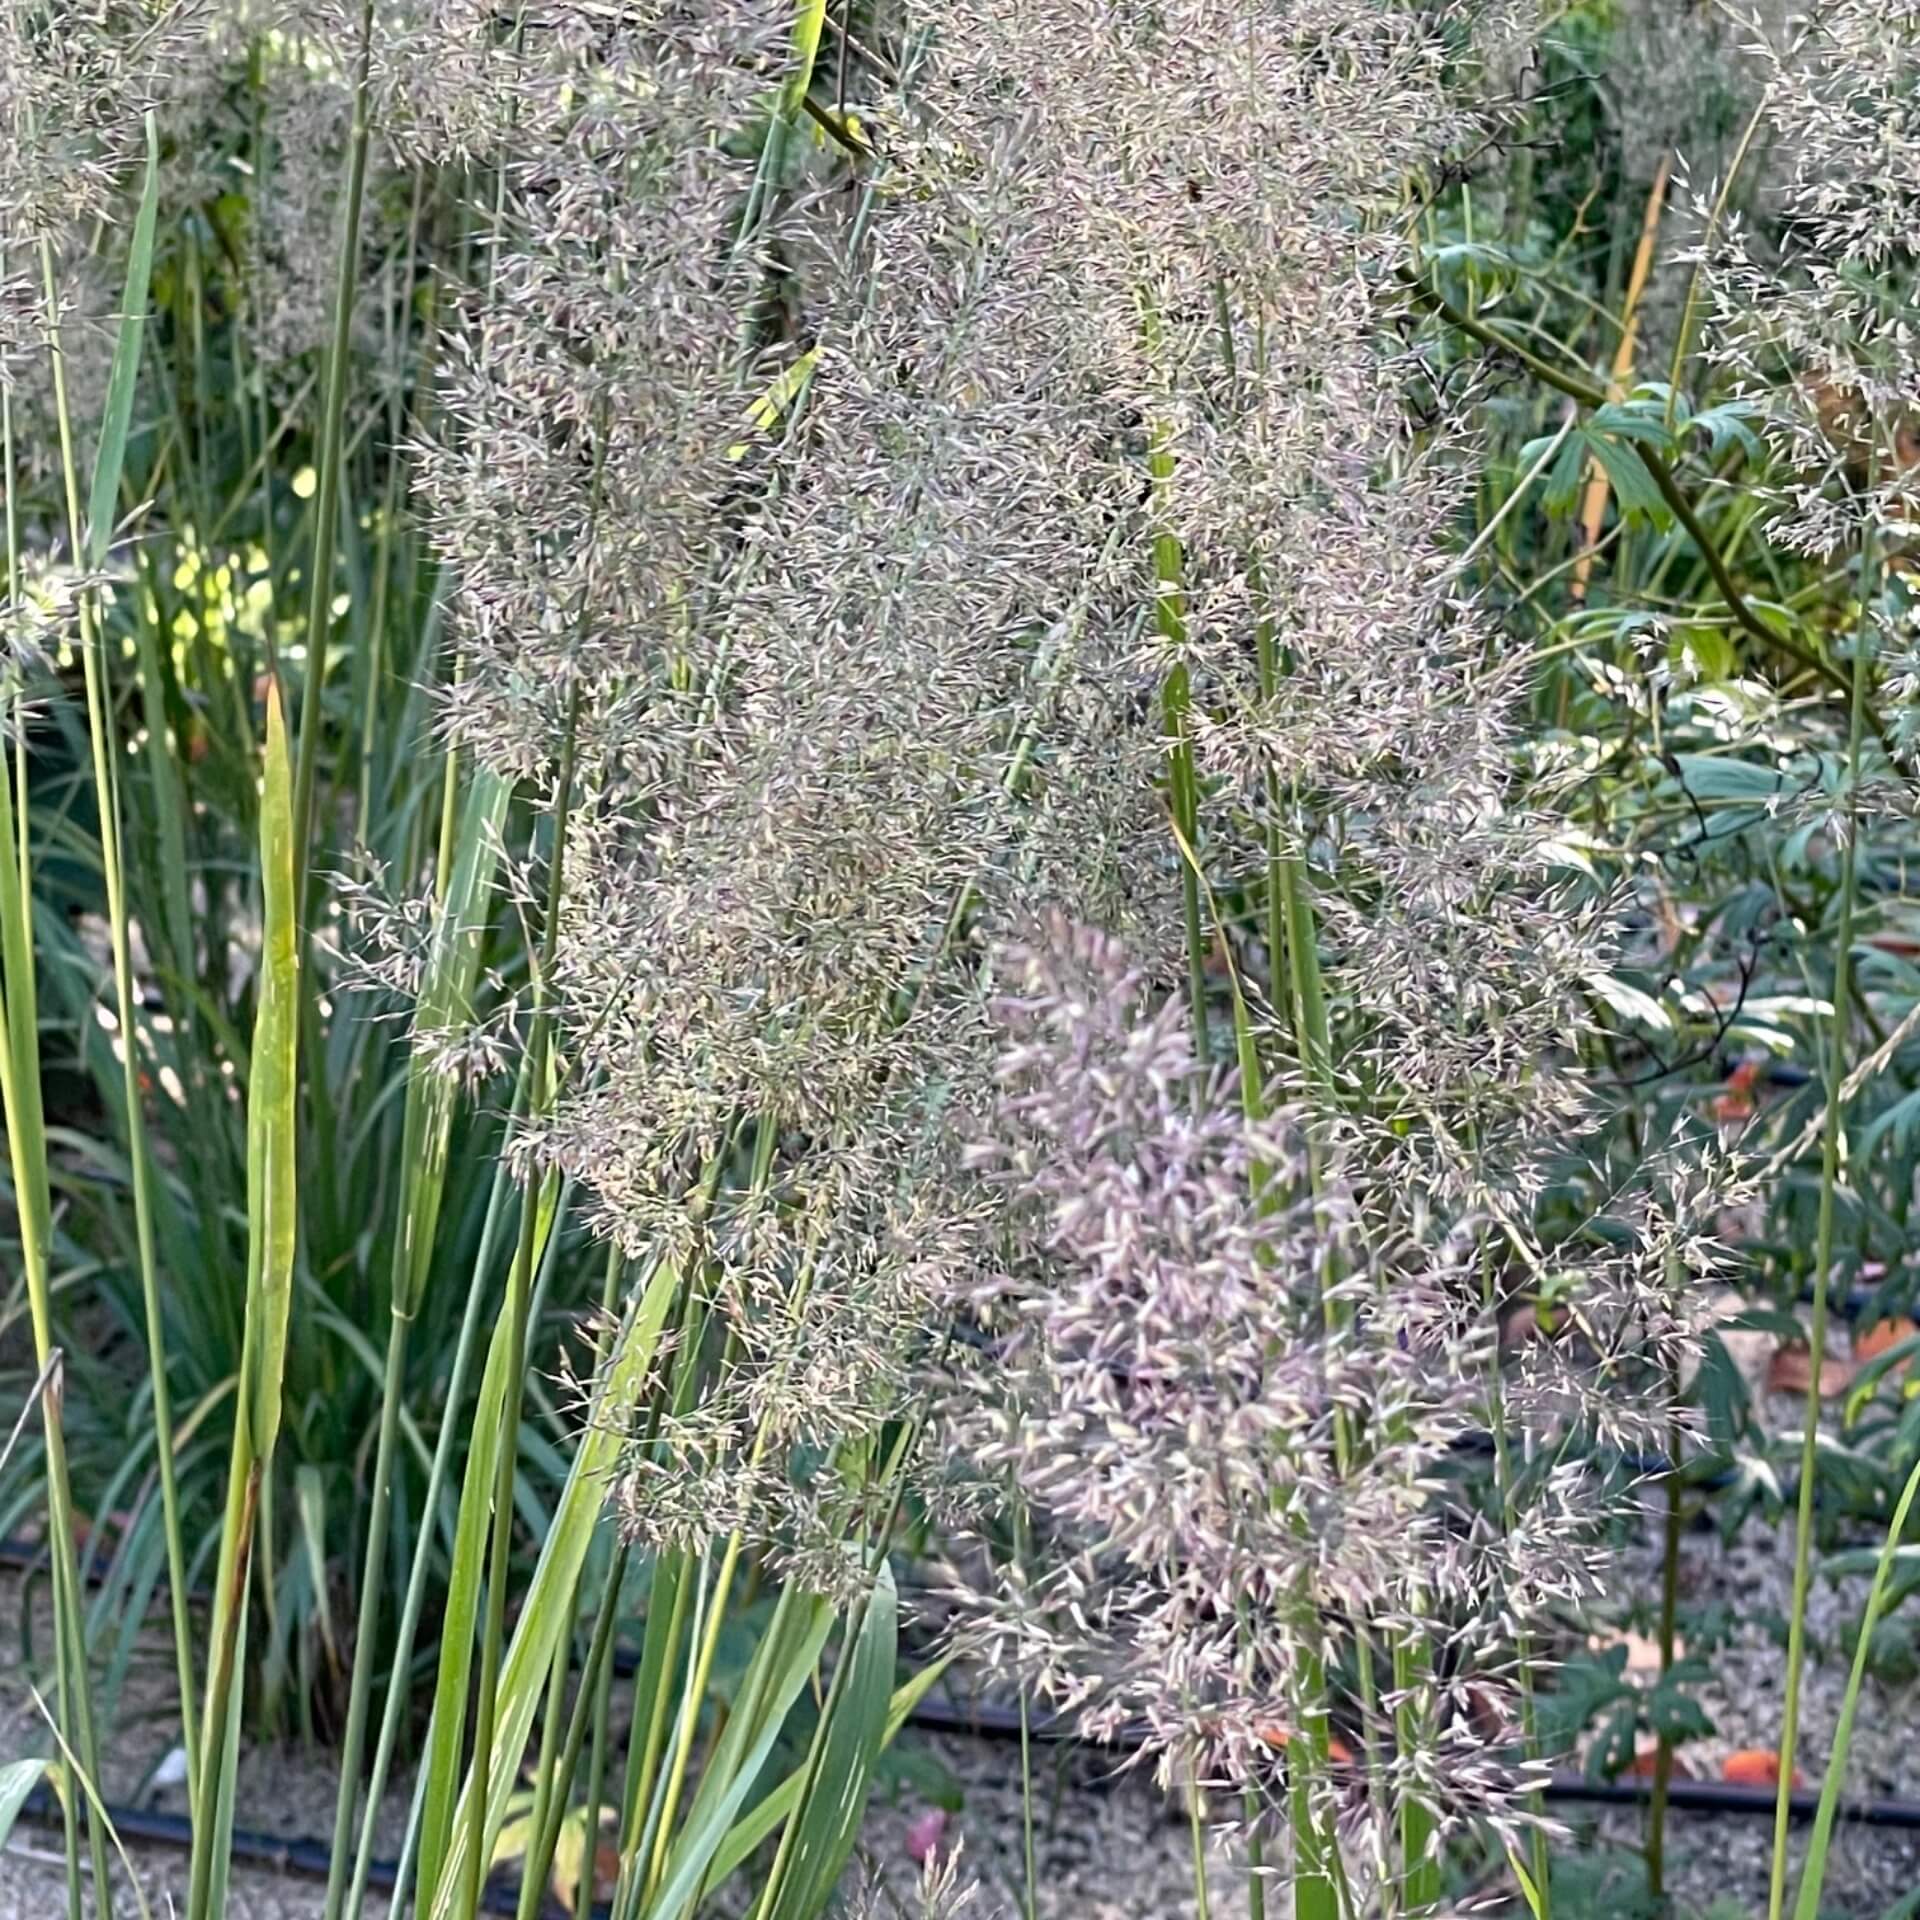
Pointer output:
1227, 1488
1306, 1308
1814, 321
74, 85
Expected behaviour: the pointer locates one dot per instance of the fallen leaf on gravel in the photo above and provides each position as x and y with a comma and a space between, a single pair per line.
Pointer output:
1792, 1369
1880, 1336
1756, 1767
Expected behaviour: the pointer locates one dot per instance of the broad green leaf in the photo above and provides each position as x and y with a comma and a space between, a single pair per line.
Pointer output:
1630, 1002
1639, 499
810, 16
1562, 489
1703, 653
1712, 776
1867, 1381
1641, 420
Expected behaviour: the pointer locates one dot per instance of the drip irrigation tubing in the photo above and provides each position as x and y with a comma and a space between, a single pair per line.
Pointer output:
1696, 1796
273, 1852
311, 1859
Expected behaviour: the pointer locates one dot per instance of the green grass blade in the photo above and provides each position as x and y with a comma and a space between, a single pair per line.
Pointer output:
751, 1830
445, 1004
1813, 1876
272, 1197
786, 1656
460, 1617
271, 1225
111, 453
18, 1778
849, 1741
548, 1613
451, 1429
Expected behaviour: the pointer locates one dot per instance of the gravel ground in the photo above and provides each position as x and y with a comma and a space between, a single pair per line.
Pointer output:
1109, 1847
1726, 1860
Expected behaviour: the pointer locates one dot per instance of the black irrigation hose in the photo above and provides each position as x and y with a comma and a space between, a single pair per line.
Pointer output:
308, 1859
311, 1859
1696, 1796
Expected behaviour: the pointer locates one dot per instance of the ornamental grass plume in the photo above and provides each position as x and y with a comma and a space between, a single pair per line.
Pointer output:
848, 535
1809, 317
1235, 1451
1234, 1403
1808, 309
879, 481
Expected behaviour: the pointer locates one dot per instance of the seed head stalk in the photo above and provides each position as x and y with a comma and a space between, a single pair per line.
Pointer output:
326, 520
1823, 1237
1176, 700
519, 1288
88, 546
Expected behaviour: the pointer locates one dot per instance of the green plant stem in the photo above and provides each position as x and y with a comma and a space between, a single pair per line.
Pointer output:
376, 677
1690, 307
427, 1129
1176, 703
1197, 1846
615, 1584
26, 1148
326, 517
1831, 1133
676, 1777
533, 1879
107, 795
1813, 1880
519, 1288
372, 1580
856, 1625
397, 1701
1522, 1639
1669, 1607
546, 1836
1030, 1883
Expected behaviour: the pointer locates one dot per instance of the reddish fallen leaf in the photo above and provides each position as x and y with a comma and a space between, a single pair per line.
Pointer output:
1756, 1767
1283, 1737
1880, 1336
1647, 1759
1737, 1102
606, 1872
1792, 1368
